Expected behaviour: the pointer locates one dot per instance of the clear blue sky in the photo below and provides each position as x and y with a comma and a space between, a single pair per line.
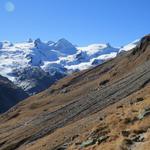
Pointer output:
80, 21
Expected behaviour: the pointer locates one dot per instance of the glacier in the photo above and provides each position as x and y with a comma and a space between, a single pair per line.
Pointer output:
49, 60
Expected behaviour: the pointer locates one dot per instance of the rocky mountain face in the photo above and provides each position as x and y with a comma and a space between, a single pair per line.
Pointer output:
10, 94
34, 80
19, 62
105, 107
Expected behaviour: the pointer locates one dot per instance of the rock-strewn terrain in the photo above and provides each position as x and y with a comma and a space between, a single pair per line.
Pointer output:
106, 107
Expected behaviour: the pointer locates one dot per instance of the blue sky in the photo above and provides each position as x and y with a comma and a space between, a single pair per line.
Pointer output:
80, 21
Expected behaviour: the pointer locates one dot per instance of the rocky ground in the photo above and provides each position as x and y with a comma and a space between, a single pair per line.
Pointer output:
106, 107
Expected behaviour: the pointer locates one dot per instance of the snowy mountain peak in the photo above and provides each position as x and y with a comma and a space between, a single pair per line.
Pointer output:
64, 42
30, 40
53, 59
108, 45
65, 46
38, 43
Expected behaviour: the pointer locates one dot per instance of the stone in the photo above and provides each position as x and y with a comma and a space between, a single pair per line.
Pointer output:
101, 119
74, 137
137, 138
143, 113
127, 120
88, 143
120, 106
103, 82
64, 90
127, 141
140, 99
125, 144
102, 139
125, 133
63, 147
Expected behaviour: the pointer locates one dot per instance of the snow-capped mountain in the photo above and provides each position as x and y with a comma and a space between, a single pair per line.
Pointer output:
35, 65
130, 46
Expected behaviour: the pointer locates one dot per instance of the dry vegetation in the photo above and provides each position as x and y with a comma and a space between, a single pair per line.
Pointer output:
104, 108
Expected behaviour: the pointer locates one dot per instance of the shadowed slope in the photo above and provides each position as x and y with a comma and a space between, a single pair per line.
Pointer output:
10, 95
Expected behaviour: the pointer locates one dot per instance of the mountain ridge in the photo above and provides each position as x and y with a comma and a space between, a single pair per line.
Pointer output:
52, 58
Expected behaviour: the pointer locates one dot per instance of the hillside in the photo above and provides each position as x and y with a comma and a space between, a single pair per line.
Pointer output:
106, 107
10, 95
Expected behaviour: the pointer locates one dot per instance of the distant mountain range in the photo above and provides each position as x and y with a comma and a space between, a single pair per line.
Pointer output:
35, 65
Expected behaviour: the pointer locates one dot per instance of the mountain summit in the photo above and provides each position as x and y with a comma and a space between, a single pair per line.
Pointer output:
65, 47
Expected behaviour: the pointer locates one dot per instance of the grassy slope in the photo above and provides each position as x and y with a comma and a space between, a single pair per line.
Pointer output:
51, 118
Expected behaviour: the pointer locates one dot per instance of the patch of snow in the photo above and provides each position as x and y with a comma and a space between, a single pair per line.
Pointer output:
93, 48
79, 67
130, 46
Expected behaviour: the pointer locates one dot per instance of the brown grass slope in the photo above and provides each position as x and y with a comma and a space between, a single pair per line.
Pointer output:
76, 104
